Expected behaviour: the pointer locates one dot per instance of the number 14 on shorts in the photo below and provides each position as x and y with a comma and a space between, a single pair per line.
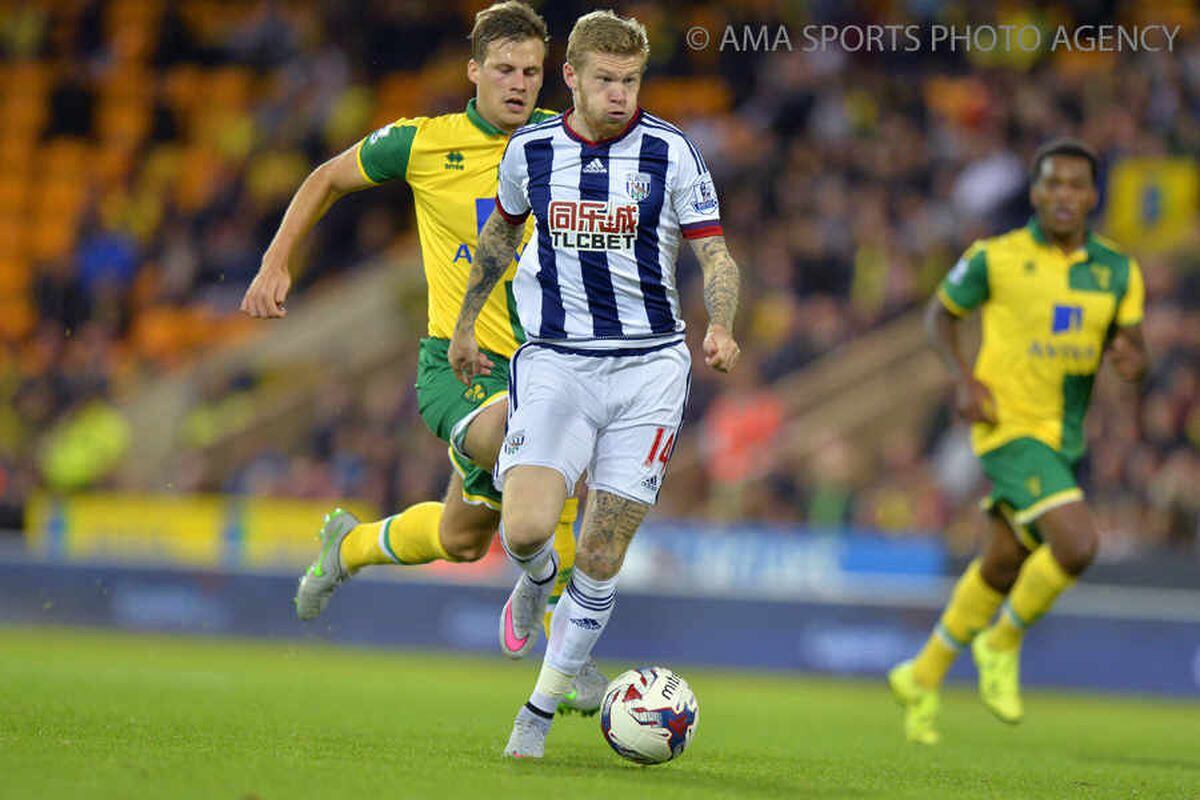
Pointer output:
656, 459
661, 450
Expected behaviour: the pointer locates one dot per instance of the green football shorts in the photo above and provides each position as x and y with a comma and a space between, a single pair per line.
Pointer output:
448, 408
1028, 479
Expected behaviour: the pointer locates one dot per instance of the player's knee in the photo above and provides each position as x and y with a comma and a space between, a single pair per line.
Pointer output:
1000, 574
525, 530
468, 548
1075, 553
464, 541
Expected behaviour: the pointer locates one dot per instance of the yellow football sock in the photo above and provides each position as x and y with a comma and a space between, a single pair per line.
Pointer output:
410, 537
1041, 581
564, 546
970, 609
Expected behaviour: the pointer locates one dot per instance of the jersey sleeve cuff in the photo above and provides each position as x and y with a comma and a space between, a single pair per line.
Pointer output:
951, 306
702, 230
362, 168
511, 219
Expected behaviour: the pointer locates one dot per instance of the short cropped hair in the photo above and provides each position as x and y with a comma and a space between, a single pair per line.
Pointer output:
1066, 147
502, 21
605, 32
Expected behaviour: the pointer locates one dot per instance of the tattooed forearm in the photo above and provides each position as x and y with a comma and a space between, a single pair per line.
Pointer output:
497, 241
609, 523
720, 280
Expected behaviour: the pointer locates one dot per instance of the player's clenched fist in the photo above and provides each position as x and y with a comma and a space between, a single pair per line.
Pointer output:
264, 299
721, 351
465, 358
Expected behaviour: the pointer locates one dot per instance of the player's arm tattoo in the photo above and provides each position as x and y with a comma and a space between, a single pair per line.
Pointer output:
497, 242
609, 523
721, 280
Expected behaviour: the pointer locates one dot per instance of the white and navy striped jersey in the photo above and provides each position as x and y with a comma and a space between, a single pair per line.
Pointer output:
610, 216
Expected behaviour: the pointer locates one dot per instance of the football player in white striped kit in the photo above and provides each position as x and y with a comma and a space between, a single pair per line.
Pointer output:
601, 383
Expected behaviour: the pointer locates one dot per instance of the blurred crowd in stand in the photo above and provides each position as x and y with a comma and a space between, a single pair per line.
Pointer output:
148, 150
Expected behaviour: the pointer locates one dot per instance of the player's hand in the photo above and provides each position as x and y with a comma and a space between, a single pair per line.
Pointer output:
1129, 360
465, 358
721, 352
264, 299
974, 402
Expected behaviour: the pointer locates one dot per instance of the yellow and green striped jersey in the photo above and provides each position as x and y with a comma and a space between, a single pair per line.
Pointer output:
450, 162
1047, 316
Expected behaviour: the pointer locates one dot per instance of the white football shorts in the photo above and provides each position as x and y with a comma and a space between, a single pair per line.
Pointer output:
614, 413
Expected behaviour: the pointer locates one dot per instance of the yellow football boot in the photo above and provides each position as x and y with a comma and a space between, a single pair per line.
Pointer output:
920, 704
999, 679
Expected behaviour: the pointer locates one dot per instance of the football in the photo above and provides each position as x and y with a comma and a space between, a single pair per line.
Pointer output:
649, 715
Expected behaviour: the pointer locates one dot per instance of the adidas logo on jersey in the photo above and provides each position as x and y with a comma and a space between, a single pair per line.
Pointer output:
595, 167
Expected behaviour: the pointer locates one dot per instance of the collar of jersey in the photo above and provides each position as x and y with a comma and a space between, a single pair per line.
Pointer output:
1039, 236
479, 122
637, 115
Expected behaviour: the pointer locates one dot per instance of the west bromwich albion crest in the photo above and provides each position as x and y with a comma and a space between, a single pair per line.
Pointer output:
637, 185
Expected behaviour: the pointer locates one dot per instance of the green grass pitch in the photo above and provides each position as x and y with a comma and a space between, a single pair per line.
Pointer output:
104, 715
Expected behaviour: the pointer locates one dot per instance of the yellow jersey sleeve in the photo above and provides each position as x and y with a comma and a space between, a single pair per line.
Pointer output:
383, 155
1132, 305
965, 287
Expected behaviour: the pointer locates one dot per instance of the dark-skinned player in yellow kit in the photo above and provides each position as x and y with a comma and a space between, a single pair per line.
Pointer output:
1056, 299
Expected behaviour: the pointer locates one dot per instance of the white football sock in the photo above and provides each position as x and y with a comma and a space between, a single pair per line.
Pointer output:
551, 686
579, 618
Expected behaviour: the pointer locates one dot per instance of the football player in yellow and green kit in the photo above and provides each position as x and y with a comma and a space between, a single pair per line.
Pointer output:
450, 162
1055, 300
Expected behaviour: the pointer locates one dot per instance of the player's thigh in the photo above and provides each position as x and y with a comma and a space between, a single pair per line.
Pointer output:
534, 497
551, 419
609, 524
633, 451
1003, 553
484, 433
466, 527
632, 462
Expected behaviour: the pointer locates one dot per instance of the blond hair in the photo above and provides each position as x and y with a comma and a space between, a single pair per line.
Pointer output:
605, 32
503, 21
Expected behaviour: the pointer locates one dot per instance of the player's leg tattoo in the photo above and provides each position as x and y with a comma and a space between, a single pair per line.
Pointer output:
585, 608
609, 524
